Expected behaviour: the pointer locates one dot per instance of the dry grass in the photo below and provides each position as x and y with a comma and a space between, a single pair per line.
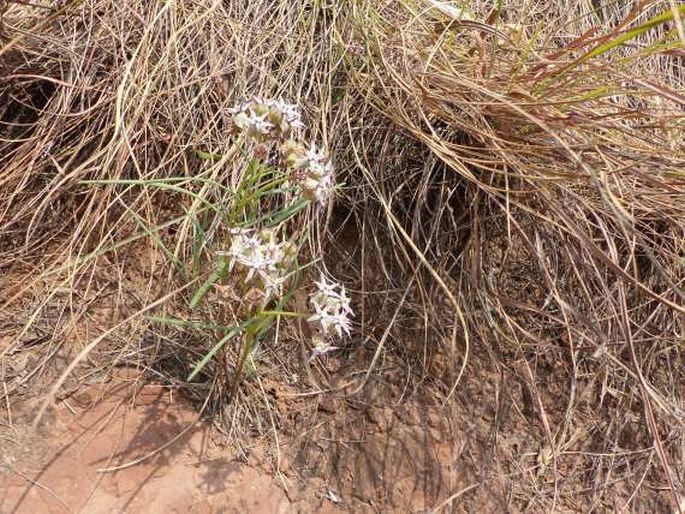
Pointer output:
554, 221
519, 197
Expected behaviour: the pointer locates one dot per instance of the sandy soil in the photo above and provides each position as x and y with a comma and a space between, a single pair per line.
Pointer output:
60, 469
102, 450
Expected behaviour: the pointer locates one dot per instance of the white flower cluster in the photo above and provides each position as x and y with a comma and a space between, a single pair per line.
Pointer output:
311, 169
264, 119
262, 256
332, 312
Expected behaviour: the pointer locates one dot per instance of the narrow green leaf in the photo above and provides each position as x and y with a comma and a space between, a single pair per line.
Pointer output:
664, 17
207, 285
208, 356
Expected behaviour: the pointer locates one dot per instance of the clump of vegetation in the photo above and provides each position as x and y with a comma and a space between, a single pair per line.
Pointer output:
258, 272
513, 180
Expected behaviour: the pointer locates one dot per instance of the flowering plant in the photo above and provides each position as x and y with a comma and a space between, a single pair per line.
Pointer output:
258, 257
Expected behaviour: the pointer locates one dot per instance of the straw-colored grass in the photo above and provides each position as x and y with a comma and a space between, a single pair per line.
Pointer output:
515, 178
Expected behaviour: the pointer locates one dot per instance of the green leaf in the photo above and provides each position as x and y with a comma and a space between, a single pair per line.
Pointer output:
208, 356
660, 19
207, 285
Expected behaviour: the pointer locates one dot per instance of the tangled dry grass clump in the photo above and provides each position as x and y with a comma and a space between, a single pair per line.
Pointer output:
514, 185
